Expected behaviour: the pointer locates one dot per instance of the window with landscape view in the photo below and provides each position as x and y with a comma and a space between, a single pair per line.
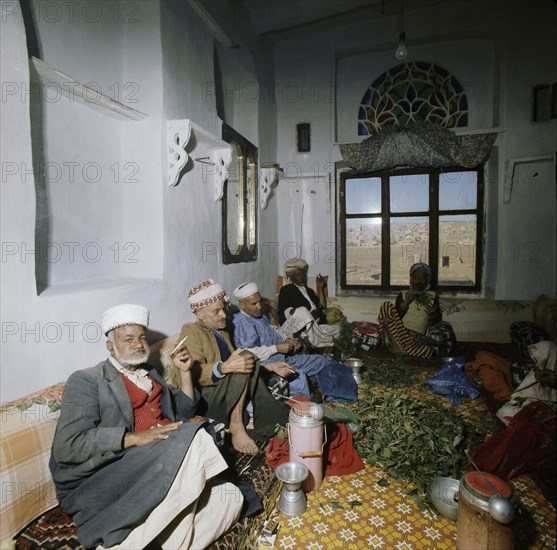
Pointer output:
390, 220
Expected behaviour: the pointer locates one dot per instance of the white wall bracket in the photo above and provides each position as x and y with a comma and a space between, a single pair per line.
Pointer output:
269, 176
510, 169
203, 147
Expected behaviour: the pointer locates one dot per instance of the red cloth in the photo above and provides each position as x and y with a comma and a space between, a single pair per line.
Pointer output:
339, 455
146, 407
526, 443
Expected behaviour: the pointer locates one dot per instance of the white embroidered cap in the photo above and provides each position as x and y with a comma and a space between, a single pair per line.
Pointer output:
245, 290
204, 294
124, 314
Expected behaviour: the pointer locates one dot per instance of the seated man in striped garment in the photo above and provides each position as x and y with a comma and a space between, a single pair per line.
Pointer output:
413, 325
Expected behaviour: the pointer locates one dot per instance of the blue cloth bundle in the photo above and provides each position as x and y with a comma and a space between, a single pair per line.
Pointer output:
451, 381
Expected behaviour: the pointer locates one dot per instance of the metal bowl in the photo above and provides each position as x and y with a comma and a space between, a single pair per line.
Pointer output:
443, 492
447, 359
353, 362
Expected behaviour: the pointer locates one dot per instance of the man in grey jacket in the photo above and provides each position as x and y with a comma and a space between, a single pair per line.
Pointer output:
130, 463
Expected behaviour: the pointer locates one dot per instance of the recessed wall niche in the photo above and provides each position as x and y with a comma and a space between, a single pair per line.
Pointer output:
92, 196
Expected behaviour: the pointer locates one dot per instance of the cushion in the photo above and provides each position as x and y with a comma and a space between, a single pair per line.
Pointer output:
28, 426
545, 315
526, 333
366, 336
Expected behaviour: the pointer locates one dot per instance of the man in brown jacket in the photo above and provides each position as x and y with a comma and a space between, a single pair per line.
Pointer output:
228, 379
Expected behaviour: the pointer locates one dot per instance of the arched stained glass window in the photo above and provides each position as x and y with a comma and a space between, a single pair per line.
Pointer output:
413, 92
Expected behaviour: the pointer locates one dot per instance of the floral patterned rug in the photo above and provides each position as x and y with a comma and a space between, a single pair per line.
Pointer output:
370, 509
356, 512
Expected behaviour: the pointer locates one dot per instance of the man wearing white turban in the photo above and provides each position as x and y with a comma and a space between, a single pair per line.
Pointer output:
128, 465
301, 310
228, 379
253, 330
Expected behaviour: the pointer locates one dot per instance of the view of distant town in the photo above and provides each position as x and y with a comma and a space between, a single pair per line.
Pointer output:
409, 244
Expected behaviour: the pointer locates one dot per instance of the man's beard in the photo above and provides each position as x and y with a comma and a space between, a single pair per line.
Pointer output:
134, 359
217, 326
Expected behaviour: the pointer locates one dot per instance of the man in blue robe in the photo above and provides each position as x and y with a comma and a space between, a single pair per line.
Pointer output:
253, 331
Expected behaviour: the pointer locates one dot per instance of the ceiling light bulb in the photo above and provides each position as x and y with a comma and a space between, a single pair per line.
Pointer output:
401, 51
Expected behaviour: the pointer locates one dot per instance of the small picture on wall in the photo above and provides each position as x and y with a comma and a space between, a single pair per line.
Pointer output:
542, 103
303, 137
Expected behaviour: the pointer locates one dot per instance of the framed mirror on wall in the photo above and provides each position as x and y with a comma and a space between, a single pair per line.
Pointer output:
239, 202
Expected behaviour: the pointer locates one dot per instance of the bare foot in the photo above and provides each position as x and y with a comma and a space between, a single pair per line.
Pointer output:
243, 443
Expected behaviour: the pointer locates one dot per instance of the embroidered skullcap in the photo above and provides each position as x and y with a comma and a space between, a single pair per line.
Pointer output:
420, 266
124, 314
204, 294
295, 263
245, 290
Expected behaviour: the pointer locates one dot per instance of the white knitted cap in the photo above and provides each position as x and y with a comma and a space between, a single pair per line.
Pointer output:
124, 314
245, 290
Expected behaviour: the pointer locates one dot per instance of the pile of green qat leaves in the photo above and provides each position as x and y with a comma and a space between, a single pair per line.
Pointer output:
413, 440
390, 372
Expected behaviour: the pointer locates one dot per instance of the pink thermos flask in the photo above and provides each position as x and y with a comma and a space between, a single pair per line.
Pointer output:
306, 440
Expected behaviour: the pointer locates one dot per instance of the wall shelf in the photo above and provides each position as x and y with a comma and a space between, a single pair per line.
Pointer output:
56, 82
204, 147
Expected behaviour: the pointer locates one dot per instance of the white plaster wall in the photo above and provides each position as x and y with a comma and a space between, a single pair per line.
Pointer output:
475, 62
164, 54
527, 232
495, 49
45, 337
305, 93
165, 49
192, 217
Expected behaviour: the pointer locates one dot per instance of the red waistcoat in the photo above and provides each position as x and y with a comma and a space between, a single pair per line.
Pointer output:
146, 407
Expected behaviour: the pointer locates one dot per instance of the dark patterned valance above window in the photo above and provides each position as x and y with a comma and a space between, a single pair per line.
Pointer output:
413, 92
417, 145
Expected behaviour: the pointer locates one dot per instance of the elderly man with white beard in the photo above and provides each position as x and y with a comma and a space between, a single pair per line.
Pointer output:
128, 464
229, 379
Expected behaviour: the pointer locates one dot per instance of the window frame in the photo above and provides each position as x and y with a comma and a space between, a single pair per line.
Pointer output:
433, 214
248, 211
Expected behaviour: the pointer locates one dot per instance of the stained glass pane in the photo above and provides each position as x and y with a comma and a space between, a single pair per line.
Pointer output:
424, 92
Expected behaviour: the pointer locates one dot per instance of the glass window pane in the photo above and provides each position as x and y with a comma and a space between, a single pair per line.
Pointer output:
457, 250
458, 190
409, 244
252, 200
363, 251
409, 193
363, 195
235, 200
